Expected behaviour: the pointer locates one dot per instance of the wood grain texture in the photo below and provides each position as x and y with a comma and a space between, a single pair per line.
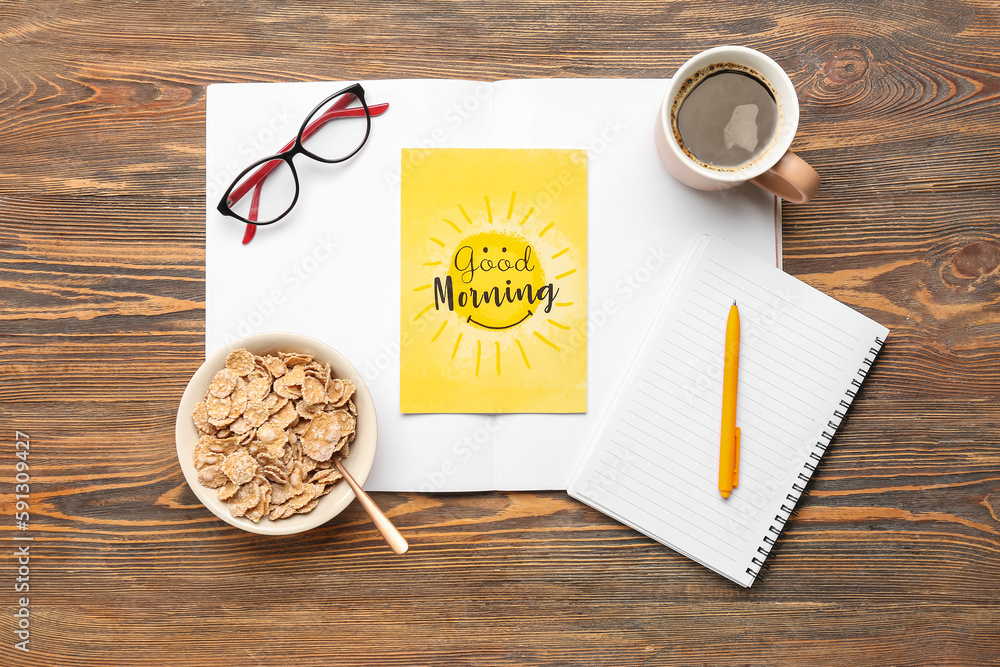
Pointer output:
893, 559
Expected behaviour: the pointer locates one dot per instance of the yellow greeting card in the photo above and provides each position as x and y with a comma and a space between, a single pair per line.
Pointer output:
494, 281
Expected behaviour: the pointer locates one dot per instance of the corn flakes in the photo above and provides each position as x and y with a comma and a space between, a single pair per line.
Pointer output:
241, 362
269, 428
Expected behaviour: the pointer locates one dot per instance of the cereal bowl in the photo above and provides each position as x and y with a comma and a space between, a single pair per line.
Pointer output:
358, 462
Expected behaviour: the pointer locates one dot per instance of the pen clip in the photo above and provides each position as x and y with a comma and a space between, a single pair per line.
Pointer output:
736, 460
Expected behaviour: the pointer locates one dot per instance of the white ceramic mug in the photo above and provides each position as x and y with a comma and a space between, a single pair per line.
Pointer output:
776, 169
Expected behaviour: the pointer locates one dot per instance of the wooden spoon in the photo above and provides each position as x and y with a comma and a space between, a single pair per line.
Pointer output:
396, 541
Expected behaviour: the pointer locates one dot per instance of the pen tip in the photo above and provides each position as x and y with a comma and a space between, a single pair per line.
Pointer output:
734, 302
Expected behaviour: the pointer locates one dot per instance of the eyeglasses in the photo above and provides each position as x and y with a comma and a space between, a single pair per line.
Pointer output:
272, 182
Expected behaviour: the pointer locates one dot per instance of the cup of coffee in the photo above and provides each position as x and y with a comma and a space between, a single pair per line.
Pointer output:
729, 116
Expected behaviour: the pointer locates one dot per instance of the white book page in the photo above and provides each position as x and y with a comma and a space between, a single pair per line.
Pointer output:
339, 251
655, 463
330, 270
640, 221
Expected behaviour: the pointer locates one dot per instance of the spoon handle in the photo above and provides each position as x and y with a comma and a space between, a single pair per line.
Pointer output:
396, 541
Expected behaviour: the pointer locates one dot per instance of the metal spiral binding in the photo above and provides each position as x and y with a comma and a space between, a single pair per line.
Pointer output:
813, 459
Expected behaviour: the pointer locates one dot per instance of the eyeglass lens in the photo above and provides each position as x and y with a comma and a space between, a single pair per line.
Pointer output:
333, 132
266, 199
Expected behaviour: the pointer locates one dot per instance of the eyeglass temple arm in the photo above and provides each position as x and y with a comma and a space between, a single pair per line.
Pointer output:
251, 230
336, 111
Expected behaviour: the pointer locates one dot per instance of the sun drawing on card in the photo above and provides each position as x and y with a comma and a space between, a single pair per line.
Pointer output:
488, 286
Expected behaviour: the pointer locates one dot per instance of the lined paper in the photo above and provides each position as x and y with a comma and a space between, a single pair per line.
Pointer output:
654, 462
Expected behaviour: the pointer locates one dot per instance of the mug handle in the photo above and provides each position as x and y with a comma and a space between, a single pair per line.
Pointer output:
791, 178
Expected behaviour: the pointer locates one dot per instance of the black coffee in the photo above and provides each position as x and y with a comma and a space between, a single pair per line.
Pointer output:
728, 119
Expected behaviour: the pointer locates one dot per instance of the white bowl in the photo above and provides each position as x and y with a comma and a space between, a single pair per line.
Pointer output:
358, 463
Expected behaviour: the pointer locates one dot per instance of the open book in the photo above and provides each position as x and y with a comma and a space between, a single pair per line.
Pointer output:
654, 462
331, 268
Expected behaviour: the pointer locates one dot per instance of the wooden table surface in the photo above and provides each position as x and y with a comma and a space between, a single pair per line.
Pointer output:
894, 558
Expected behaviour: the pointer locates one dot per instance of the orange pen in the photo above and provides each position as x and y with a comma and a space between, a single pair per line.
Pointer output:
729, 444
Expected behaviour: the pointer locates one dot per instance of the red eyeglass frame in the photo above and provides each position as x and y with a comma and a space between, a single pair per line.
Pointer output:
255, 181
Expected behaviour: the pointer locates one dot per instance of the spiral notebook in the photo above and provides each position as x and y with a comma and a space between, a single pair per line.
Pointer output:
653, 462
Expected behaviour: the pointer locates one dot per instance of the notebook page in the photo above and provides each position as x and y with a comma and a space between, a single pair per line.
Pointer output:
654, 465
344, 230
641, 223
